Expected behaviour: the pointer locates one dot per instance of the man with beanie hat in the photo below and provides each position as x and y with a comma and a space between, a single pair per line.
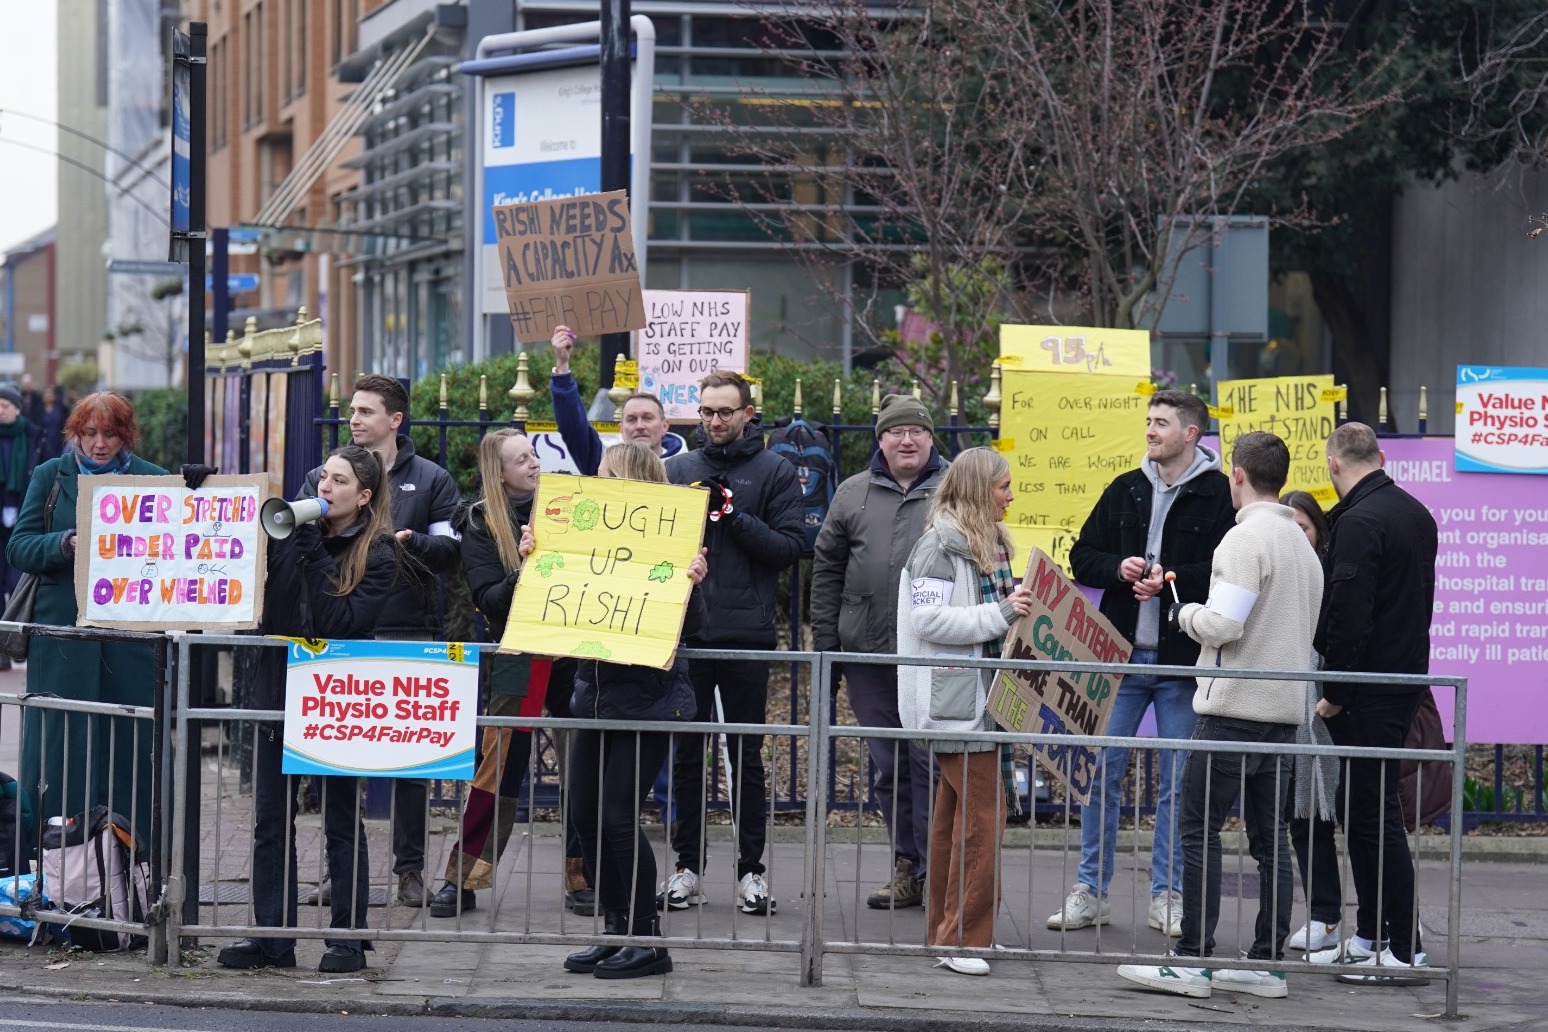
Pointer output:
874, 520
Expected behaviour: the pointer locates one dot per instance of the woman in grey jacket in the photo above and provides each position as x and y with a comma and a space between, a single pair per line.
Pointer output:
956, 599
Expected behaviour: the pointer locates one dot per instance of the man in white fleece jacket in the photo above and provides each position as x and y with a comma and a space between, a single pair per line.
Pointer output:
1265, 592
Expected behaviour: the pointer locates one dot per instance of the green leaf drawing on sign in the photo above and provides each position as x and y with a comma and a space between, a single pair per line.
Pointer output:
662, 571
548, 562
592, 648
587, 513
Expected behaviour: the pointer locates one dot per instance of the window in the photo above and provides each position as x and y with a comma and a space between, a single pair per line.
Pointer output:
260, 80
249, 69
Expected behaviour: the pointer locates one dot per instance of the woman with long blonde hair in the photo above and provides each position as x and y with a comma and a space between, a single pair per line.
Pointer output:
956, 598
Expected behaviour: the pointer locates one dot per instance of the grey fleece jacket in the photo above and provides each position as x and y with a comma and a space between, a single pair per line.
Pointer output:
1147, 631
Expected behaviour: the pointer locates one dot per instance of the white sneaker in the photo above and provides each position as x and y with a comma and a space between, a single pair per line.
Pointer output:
1081, 909
1313, 936
1349, 952
682, 890
752, 895
1258, 983
1166, 913
1184, 981
964, 965
1386, 969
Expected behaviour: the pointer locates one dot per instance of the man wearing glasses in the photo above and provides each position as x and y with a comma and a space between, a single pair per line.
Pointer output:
873, 523
755, 531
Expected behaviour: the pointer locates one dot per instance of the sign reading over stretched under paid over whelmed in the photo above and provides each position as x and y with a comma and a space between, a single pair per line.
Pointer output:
569, 261
151, 555
1301, 410
1063, 625
608, 578
384, 709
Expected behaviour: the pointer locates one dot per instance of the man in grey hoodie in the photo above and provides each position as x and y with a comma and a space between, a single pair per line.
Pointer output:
1167, 515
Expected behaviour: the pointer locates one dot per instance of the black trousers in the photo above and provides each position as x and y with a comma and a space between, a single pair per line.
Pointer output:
1212, 781
1316, 856
744, 693
610, 774
1379, 861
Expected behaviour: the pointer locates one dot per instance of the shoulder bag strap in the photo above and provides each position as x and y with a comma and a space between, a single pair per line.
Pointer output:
48, 510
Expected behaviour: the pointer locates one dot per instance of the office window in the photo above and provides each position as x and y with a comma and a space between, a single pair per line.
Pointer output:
249, 69
298, 33
260, 80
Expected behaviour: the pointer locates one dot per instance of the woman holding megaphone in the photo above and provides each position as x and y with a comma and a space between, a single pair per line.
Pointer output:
329, 575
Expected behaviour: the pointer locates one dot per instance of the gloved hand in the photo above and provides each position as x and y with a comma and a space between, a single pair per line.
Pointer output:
195, 472
1174, 616
307, 540
720, 503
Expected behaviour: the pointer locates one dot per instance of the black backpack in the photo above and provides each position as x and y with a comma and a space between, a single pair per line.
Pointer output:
806, 447
15, 827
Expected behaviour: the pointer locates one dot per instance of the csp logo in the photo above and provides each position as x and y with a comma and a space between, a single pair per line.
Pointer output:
502, 120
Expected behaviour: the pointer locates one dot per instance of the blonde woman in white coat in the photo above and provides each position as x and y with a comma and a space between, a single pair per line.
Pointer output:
956, 599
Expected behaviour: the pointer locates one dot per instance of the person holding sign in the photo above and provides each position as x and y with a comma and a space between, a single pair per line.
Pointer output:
335, 577
610, 771
100, 437
491, 558
641, 420
755, 532
1168, 515
956, 598
1265, 591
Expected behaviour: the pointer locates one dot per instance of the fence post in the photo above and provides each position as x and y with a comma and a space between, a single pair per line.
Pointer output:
1454, 902
814, 876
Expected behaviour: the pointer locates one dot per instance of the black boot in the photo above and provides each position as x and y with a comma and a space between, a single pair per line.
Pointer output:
449, 901
614, 922
637, 961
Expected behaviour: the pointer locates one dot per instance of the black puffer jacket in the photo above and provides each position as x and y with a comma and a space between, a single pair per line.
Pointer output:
614, 691
1380, 587
493, 590
1119, 527
300, 600
749, 550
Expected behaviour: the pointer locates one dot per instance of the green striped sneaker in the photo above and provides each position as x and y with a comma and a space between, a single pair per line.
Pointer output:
1183, 981
1258, 983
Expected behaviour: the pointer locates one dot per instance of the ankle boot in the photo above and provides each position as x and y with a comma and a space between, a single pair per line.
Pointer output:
579, 896
614, 922
637, 961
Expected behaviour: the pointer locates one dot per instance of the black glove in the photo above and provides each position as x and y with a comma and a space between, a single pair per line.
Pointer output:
1174, 616
195, 472
307, 540
720, 505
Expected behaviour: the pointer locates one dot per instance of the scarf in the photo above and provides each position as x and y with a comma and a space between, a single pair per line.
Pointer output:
1316, 777
994, 586
14, 476
117, 464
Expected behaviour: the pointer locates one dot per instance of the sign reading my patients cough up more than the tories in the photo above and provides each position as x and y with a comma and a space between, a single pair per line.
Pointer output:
393, 709
151, 555
608, 578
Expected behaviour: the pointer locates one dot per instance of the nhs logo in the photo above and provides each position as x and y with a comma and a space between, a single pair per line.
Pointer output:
502, 121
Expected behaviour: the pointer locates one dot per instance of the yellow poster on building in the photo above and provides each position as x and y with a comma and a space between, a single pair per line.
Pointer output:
1300, 409
1067, 435
1072, 349
608, 577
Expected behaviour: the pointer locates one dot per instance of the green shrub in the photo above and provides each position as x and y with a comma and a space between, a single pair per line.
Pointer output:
163, 418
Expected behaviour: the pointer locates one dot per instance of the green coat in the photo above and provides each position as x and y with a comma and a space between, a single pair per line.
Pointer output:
72, 755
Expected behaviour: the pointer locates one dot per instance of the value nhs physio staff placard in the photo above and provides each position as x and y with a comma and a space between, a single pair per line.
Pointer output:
386, 709
1502, 419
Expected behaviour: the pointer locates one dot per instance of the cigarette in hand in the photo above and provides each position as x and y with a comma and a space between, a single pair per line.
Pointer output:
1171, 578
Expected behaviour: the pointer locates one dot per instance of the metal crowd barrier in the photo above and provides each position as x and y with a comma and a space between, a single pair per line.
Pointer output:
192, 881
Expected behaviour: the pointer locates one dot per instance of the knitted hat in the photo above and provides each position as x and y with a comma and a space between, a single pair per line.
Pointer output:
9, 392
903, 410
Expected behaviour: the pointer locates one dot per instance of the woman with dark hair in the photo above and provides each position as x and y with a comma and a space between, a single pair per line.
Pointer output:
56, 412
611, 771
329, 579
18, 456
70, 752
1316, 782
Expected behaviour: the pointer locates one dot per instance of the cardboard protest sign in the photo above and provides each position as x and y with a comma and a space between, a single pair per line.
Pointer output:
1076, 349
1063, 625
386, 709
1502, 419
608, 578
1066, 436
1300, 409
689, 334
152, 555
569, 261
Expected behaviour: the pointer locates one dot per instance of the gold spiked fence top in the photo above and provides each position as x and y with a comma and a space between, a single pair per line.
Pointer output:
302, 337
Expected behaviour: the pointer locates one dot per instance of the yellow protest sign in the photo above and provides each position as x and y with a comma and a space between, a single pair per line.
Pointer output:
1300, 409
1073, 433
1070, 349
608, 578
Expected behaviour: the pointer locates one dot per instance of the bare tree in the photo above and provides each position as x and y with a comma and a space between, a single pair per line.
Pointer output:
151, 325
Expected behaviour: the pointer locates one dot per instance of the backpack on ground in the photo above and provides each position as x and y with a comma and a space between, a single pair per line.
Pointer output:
806, 447
92, 868
16, 847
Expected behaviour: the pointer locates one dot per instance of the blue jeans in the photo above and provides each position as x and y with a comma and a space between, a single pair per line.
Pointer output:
1173, 700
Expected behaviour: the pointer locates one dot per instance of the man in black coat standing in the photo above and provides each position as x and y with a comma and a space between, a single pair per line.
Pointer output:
755, 531
1376, 606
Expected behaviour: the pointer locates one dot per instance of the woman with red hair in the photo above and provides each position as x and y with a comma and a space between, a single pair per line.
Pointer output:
71, 752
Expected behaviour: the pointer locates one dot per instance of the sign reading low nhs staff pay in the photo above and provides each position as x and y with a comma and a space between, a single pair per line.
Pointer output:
542, 140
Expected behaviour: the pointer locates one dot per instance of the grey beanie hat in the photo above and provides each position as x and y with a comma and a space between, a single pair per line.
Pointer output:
903, 410
10, 393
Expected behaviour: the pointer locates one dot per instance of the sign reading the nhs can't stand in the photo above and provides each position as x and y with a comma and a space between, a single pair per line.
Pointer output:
392, 709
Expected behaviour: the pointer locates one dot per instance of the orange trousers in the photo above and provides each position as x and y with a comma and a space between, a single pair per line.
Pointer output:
965, 833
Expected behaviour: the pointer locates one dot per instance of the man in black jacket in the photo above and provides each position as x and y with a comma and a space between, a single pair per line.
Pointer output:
755, 531
1168, 515
424, 503
1375, 618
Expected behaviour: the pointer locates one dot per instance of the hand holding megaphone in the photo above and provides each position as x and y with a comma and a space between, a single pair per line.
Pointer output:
281, 518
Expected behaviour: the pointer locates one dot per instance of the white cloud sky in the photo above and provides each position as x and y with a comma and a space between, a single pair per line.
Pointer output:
28, 59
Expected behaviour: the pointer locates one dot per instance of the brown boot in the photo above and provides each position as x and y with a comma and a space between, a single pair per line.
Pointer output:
903, 890
578, 895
